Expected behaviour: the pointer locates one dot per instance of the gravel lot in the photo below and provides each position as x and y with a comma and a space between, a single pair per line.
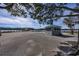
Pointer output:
30, 44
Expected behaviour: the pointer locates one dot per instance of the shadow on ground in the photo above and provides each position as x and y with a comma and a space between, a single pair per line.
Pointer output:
65, 36
67, 48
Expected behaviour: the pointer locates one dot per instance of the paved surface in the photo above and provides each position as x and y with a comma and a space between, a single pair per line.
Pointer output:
29, 44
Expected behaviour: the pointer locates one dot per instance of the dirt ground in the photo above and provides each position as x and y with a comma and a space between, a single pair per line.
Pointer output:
31, 44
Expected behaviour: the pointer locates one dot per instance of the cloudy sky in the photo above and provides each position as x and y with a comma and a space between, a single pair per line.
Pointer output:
6, 20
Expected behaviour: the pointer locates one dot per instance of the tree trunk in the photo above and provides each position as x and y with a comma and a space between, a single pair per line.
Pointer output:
0, 32
72, 31
51, 28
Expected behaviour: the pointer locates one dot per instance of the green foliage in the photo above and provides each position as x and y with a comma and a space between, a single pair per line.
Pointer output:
40, 11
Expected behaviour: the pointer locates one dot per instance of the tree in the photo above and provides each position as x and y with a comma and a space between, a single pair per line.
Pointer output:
70, 23
40, 11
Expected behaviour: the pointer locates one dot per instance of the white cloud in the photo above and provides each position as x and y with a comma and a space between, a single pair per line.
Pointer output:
19, 21
8, 20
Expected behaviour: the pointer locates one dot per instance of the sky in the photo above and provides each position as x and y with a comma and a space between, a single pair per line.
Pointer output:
6, 20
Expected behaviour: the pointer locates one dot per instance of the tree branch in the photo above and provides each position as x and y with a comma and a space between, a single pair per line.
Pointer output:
67, 15
67, 8
64, 7
1, 7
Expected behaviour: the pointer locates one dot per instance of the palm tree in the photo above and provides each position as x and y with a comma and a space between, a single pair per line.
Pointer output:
70, 24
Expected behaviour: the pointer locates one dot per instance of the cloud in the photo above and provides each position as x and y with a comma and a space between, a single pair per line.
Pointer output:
7, 20
27, 22
19, 21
